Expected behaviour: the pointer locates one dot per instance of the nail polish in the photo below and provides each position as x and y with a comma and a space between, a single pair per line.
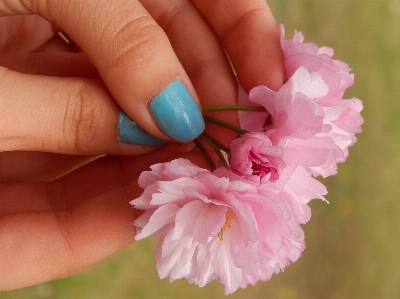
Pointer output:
130, 132
177, 114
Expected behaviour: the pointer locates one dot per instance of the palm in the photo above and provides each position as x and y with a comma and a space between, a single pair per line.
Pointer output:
56, 229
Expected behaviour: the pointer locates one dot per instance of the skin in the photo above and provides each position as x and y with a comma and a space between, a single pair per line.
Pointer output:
65, 178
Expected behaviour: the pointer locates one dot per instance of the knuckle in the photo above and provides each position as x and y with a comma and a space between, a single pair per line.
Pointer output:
137, 42
242, 19
202, 68
168, 18
82, 119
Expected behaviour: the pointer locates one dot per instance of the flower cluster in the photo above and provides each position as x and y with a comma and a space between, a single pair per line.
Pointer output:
241, 223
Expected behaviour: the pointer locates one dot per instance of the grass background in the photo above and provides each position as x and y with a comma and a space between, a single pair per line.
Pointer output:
353, 244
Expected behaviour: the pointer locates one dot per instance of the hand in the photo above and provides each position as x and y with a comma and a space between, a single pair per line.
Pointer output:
59, 110
51, 230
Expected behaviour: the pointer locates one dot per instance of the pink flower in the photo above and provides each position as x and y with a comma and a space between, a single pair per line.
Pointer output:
242, 224
345, 118
343, 115
307, 112
294, 120
292, 113
253, 157
297, 54
216, 226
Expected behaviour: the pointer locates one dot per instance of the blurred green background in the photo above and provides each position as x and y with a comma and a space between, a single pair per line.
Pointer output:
353, 244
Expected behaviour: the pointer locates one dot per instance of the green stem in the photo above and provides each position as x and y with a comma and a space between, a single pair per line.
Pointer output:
216, 149
234, 107
217, 143
205, 153
225, 124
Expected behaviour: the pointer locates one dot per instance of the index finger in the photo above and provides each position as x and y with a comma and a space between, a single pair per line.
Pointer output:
251, 37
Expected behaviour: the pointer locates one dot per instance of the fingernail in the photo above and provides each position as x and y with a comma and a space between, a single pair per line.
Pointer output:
130, 132
177, 114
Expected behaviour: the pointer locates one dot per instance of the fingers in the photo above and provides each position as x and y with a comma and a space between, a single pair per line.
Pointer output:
201, 55
17, 166
73, 116
54, 241
23, 34
88, 181
250, 35
46, 245
60, 64
134, 59
130, 51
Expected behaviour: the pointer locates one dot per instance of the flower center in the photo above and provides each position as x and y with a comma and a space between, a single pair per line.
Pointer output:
262, 168
227, 224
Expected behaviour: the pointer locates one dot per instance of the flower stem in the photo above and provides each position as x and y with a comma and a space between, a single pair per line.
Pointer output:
225, 124
205, 153
235, 107
216, 149
217, 143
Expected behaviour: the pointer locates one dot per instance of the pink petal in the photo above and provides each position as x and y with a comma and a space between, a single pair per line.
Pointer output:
161, 217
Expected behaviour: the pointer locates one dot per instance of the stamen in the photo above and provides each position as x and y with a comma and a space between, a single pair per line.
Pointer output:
227, 224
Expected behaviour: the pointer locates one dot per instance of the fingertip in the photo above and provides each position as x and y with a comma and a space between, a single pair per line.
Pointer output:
264, 64
251, 37
130, 132
177, 113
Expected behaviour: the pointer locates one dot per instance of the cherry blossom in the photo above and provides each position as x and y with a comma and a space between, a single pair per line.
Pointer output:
241, 223
216, 226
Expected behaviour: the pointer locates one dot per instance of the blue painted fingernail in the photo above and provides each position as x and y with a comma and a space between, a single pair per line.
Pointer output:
177, 114
130, 132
